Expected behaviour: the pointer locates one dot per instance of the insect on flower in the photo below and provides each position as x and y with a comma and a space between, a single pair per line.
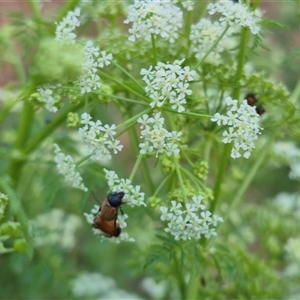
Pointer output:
106, 218
252, 101
111, 228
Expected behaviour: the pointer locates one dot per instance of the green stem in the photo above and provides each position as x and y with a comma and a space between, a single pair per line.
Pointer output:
178, 172
154, 50
162, 184
212, 47
235, 95
129, 75
261, 158
18, 158
103, 74
179, 277
50, 128
134, 118
144, 167
136, 165
35, 8
296, 93
192, 284
84, 159
71, 5
191, 114
241, 62
220, 176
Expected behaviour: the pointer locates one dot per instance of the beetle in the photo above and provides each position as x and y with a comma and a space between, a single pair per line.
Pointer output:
111, 204
111, 228
106, 218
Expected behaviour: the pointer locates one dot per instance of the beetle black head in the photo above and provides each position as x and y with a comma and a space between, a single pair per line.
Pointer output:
115, 199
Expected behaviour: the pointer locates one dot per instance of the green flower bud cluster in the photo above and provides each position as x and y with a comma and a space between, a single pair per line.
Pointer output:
8, 230
201, 169
73, 120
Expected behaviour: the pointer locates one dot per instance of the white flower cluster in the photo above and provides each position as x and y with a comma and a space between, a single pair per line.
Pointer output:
94, 59
98, 138
65, 29
288, 202
66, 166
188, 4
121, 219
235, 14
243, 123
46, 96
152, 17
157, 137
96, 286
292, 247
290, 154
168, 81
3, 204
132, 196
193, 222
55, 228
203, 35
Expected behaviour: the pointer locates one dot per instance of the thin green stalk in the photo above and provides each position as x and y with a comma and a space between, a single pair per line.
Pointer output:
134, 118
296, 93
251, 173
220, 176
241, 62
35, 8
235, 95
192, 284
17, 159
84, 159
207, 148
191, 114
178, 172
121, 98
70, 5
212, 47
144, 167
135, 167
50, 128
154, 49
6, 109
103, 74
129, 75
179, 277
162, 184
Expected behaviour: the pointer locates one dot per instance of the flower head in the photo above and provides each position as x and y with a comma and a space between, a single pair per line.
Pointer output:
191, 221
156, 137
55, 228
94, 59
66, 166
235, 14
133, 196
45, 96
98, 138
243, 127
65, 29
168, 82
153, 18
203, 35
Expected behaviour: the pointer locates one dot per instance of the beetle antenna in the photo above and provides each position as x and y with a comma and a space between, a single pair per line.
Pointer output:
96, 198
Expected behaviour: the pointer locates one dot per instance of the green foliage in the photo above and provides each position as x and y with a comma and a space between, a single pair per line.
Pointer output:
45, 241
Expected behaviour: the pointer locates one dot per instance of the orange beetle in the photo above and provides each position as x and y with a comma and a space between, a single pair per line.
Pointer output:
111, 228
106, 218
110, 206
